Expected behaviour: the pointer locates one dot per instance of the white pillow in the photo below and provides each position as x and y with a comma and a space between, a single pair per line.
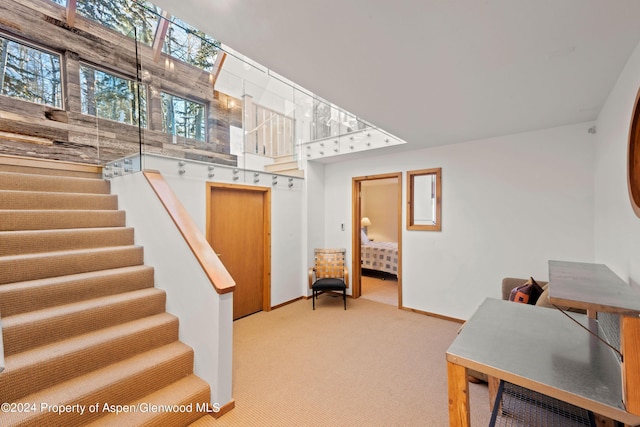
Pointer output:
363, 237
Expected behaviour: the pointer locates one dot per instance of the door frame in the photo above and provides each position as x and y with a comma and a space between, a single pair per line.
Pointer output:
356, 209
266, 207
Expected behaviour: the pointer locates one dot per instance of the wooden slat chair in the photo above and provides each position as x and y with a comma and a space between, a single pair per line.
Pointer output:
330, 273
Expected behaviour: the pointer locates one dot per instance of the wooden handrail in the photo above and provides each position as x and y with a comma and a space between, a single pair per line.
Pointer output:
211, 264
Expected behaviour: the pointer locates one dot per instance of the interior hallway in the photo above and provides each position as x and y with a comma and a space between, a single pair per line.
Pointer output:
375, 288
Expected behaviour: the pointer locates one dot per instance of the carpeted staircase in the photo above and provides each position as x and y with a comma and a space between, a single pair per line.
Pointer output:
82, 323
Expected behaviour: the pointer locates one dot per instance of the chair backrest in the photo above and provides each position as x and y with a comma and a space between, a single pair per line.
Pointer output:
329, 263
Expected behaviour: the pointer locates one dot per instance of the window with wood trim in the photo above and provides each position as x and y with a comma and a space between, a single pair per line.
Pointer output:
30, 73
108, 96
183, 117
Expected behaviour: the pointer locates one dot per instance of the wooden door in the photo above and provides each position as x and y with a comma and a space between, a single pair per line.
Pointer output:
238, 231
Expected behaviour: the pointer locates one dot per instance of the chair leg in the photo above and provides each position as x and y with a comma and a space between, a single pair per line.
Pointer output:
313, 298
344, 298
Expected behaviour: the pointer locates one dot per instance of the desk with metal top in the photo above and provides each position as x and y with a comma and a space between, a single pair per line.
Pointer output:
542, 350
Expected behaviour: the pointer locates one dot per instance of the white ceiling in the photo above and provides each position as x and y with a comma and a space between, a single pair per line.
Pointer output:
435, 72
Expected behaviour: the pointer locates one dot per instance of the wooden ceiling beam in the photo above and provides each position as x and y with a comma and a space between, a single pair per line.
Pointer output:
161, 34
71, 13
217, 66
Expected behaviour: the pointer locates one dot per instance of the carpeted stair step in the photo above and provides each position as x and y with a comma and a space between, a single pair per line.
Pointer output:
47, 200
176, 405
18, 219
43, 367
36, 241
56, 184
20, 268
29, 330
83, 323
22, 297
118, 383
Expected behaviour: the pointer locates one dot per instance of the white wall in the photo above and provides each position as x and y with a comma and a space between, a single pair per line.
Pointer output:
177, 270
379, 204
616, 226
315, 215
509, 204
287, 216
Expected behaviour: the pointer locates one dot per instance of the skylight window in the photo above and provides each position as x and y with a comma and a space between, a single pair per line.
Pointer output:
190, 45
123, 16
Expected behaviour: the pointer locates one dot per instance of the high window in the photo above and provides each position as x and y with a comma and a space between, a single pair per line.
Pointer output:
112, 97
182, 117
123, 16
29, 73
190, 45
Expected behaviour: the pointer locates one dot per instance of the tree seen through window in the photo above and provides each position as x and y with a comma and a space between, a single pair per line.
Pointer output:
182, 117
111, 97
30, 74
190, 45
123, 16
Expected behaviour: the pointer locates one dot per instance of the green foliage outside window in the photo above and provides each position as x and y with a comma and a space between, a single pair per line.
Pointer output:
111, 97
30, 74
182, 41
182, 117
190, 45
123, 16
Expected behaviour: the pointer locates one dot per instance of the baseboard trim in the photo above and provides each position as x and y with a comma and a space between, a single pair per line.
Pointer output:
439, 316
288, 302
424, 313
224, 409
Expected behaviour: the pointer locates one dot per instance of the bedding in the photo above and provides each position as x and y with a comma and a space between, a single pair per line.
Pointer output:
379, 256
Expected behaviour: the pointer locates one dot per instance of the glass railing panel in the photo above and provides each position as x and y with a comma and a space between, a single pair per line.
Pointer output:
147, 82
269, 119
325, 120
113, 98
76, 101
229, 115
187, 117
304, 121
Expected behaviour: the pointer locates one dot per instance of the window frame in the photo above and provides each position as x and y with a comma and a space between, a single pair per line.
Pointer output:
205, 115
411, 202
114, 73
44, 49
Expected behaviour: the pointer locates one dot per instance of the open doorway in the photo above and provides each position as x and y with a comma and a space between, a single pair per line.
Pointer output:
377, 237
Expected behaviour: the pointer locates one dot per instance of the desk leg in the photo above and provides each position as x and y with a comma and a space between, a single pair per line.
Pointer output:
458, 395
630, 346
493, 384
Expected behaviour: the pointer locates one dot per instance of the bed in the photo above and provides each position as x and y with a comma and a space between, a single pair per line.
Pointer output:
379, 256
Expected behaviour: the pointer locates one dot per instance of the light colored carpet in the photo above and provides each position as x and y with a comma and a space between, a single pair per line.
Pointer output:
82, 321
377, 289
371, 365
